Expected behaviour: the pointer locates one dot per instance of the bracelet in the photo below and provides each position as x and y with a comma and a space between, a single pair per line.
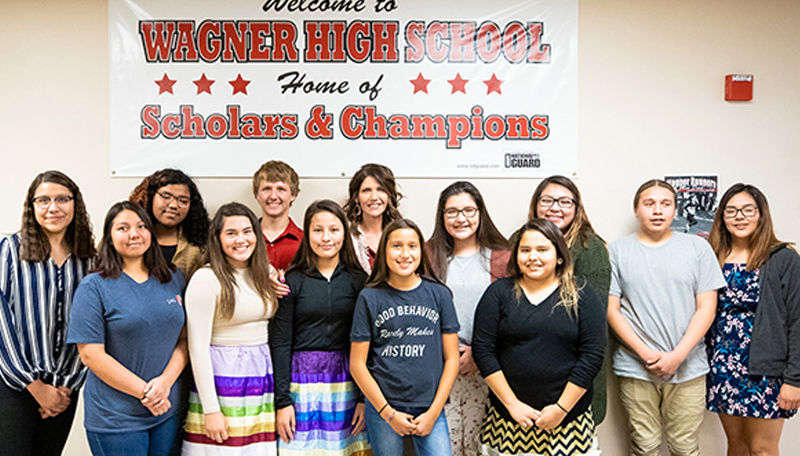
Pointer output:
562, 408
382, 408
389, 420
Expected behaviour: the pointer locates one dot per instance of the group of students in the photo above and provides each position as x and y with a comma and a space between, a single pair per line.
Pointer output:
352, 333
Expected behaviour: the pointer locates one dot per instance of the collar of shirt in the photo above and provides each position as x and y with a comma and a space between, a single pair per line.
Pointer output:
291, 231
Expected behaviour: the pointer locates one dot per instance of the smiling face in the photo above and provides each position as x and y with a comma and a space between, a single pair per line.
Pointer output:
549, 206
372, 198
403, 252
740, 226
655, 210
275, 199
55, 216
238, 240
129, 235
326, 235
461, 227
537, 257
171, 204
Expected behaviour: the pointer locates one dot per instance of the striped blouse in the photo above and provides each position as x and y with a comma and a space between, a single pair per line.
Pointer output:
35, 303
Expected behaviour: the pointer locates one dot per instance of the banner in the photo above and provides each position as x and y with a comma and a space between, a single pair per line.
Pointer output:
454, 89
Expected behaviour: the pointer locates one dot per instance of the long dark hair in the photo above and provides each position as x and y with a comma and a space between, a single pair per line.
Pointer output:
385, 178
380, 271
763, 239
110, 262
580, 228
195, 226
258, 263
568, 295
440, 245
305, 260
79, 237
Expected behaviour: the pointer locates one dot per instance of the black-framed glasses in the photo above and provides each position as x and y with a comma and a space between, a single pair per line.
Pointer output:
181, 201
44, 201
451, 213
565, 202
748, 211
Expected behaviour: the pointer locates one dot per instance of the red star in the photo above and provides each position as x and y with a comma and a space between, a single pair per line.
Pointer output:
239, 85
420, 84
493, 85
165, 84
458, 84
203, 84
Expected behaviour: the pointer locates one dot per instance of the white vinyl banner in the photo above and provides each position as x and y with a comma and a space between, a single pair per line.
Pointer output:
430, 88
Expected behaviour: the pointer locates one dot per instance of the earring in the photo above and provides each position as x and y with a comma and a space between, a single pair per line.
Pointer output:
560, 261
358, 210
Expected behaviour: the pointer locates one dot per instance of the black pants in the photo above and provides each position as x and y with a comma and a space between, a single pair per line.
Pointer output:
23, 432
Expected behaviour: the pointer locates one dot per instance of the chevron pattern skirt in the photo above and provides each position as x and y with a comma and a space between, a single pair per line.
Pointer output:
503, 437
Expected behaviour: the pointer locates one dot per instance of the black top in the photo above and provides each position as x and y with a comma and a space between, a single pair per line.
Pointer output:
168, 251
315, 316
539, 348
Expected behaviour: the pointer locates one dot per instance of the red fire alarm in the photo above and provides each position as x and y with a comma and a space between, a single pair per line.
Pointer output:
739, 87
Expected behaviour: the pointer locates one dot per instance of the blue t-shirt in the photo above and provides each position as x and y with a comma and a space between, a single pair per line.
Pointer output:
139, 324
405, 330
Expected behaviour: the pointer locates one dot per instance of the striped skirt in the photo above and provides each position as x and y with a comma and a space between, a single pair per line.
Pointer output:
325, 398
502, 437
245, 390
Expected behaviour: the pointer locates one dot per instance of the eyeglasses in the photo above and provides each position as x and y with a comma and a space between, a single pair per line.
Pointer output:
451, 213
181, 201
44, 201
748, 211
564, 202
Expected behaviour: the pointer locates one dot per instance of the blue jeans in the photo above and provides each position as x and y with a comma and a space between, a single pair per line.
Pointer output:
156, 441
386, 442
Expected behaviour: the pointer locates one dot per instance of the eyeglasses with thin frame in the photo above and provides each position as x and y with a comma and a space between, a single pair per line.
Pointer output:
565, 202
451, 213
44, 201
181, 201
748, 211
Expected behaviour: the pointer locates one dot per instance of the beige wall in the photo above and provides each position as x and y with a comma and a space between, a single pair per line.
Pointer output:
651, 103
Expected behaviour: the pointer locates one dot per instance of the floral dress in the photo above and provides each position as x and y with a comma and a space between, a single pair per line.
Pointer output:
731, 390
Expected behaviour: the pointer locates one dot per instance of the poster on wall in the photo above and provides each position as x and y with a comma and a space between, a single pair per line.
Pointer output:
445, 88
696, 203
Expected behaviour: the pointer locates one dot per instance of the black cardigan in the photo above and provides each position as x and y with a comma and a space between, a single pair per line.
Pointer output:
775, 347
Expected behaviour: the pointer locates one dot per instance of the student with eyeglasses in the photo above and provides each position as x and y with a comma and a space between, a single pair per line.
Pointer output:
469, 253
40, 269
558, 199
180, 224
179, 217
754, 342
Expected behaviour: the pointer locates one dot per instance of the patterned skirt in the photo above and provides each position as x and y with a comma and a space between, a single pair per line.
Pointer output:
245, 390
325, 399
502, 437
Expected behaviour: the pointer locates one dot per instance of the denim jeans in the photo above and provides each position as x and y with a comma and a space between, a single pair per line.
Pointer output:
386, 442
156, 441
